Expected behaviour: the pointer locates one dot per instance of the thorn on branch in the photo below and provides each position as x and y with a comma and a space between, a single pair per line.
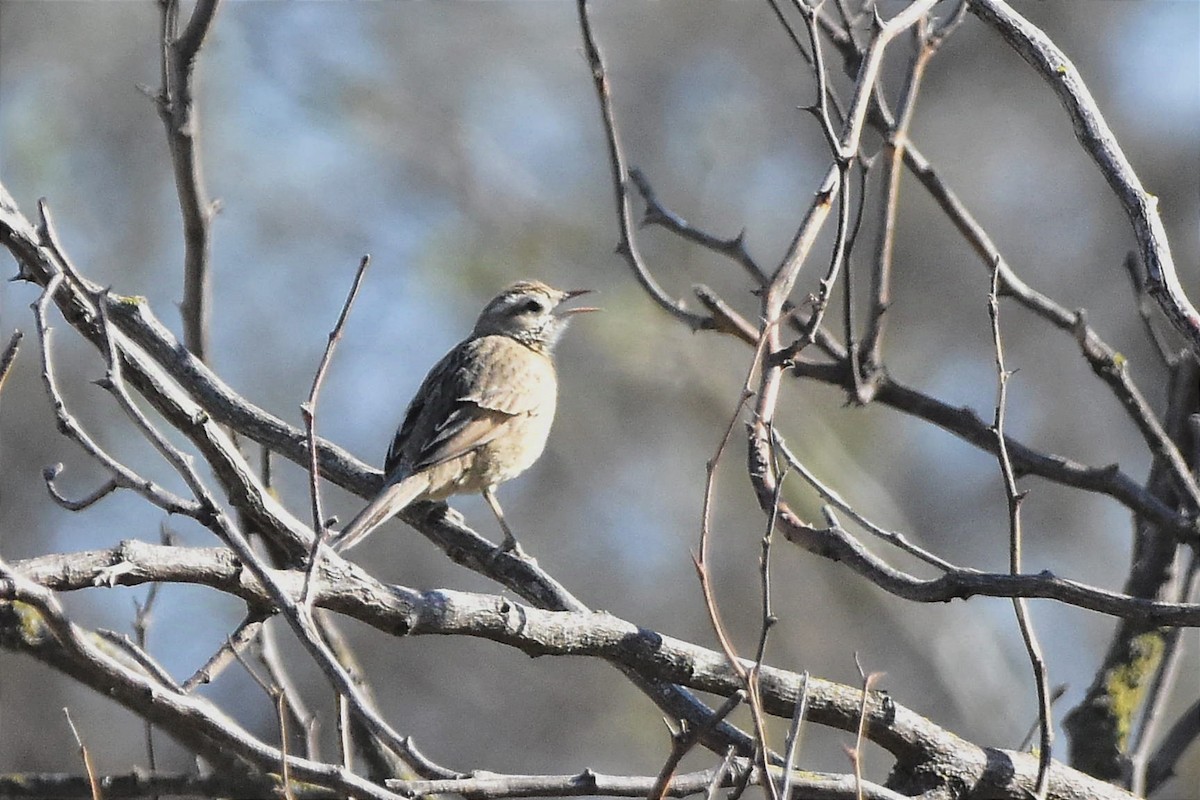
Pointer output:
876, 20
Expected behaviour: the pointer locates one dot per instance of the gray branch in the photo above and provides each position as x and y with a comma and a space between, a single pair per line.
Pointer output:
920, 746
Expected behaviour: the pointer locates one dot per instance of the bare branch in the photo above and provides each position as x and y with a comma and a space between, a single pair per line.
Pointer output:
93, 784
123, 476
1179, 738
894, 146
138, 654
284, 692
748, 676
845, 149
831, 496
1133, 270
968, 426
791, 747
140, 784
1152, 761
627, 245
911, 738
309, 411
45, 633
724, 319
1113, 368
50, 475
1111, 722
177, 108
8, 356
1014, 498
246, 631
683, 742
1098, 141
860, 733
658, 214
142, 618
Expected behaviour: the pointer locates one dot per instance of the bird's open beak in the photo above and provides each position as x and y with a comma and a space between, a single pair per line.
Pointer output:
571, 294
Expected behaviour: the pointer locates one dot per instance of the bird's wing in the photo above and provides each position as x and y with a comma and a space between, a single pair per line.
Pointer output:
466, 401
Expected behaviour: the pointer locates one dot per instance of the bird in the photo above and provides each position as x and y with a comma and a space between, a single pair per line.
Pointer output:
483, 413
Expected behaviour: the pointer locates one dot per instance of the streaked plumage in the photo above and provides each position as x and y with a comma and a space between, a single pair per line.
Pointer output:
482, 414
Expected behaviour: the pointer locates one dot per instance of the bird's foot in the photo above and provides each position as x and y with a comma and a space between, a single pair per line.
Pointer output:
510, 546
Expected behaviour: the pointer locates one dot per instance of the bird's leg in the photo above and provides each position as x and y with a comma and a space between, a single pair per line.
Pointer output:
510, 542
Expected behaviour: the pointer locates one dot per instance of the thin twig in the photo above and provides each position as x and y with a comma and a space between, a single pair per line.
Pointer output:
1036, 726
136, 653
820, 107
142, 618
281, 713
50, 477
1133, 270
860, 735
1033, 648
295, 613
700, 562
282, 683
768, 619
308, 410
1113, 369
687, 738
718, 777
176, 106
849, 298
724, 319
830, 495
627, 245
844, 148
86, 756
790, 30
122, 476
246, 632
894, 145
8, 356
279, 700
344, 731
658, 214
1178, 740
791, 747
836, 261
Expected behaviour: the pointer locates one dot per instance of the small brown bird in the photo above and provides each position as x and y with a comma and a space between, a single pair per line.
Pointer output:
482, 414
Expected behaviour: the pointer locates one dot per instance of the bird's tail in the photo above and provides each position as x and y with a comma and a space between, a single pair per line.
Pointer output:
393, 499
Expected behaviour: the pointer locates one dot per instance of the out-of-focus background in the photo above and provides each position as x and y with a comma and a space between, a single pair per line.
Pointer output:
460, 145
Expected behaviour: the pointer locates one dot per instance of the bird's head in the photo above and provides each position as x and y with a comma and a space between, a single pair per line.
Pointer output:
531, 313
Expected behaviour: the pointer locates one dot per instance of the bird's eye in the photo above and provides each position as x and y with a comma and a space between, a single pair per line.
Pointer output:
532, 307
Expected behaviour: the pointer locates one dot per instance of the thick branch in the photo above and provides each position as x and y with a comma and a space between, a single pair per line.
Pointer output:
920, 746
32, 622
